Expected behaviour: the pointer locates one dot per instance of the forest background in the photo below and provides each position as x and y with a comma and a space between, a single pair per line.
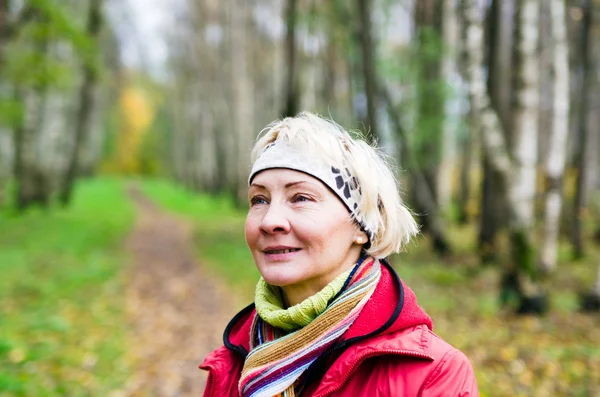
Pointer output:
489, 109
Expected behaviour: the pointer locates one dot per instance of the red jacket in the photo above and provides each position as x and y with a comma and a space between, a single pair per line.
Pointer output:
389, 350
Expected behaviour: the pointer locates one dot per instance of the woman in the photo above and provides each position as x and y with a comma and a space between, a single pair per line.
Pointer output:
331, 317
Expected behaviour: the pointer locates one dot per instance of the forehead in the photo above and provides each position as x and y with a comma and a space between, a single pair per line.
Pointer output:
280, 177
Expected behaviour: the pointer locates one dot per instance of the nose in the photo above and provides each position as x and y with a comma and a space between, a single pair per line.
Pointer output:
275, 220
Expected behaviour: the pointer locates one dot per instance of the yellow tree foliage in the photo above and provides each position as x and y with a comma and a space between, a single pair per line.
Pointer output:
136, 113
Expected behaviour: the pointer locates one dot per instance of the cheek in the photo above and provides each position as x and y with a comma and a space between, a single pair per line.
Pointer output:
250, 232
329, 234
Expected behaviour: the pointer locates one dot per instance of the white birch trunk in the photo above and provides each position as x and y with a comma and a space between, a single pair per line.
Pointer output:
450, 35
555, 162
491, 130
307, 65
242, 95
525, 140
93, 144
180, 124
7, 147
207, 153
7, 152
33, 104
55, 133
492, 137
521, 263
593, 165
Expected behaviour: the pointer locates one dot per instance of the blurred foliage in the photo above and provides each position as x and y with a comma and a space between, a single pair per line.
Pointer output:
44, 51
62, 321
138, 129
156, 147
135, 114
412, 70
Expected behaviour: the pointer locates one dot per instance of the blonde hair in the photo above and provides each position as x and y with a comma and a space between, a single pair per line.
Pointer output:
381, 209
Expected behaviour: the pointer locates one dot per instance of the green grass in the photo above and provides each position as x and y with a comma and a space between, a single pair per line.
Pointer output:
62, 324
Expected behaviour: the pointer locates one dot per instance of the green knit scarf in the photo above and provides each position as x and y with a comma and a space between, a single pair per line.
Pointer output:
271, 308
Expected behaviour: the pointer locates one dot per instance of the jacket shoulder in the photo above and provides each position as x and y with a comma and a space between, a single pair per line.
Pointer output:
411, 362
451, 374
224, 368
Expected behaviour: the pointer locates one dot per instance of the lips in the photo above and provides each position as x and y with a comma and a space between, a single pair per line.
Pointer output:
281, 251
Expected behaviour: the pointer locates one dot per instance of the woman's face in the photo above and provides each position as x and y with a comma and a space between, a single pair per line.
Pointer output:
300, 234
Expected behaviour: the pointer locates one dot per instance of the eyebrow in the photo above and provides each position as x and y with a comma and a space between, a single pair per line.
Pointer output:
287, 185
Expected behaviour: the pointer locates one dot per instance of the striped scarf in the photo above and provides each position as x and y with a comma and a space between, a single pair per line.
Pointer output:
277, 360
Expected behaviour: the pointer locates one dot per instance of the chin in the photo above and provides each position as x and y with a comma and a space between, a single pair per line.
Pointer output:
279, 277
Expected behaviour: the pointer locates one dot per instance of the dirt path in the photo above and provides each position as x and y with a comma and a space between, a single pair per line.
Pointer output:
177, 311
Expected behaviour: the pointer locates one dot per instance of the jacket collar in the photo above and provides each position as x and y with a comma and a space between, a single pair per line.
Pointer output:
393, 307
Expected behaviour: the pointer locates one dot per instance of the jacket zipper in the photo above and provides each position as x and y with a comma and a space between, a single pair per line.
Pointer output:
368, 355
210, 376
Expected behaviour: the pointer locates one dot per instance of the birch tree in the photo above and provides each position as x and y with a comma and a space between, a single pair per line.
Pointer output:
291, 89
421, 187
449, 72
430, 94
242, 95
525, 139
521, 264
584, 83
555, 161
368, 67
86, 102
44, 47
501, 25
32, 182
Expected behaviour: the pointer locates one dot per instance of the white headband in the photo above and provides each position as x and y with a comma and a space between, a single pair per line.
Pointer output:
280, 154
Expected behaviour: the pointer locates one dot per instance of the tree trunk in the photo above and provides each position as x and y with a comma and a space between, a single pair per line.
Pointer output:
422, 189
493, 207
449, 71
522, 262
431, 96
292, 88
590, 302
425, 142
555, 162
525, 139
86, 103
330, 75
500, 58
368, 68
207, 161
242, 99
4, 10
32, 183
583, 131
465, 178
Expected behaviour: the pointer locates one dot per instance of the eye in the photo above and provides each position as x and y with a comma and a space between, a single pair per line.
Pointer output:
301, 198
258, 200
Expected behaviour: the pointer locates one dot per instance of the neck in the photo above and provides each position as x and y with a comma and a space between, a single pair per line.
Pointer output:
294, 294
297, 293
